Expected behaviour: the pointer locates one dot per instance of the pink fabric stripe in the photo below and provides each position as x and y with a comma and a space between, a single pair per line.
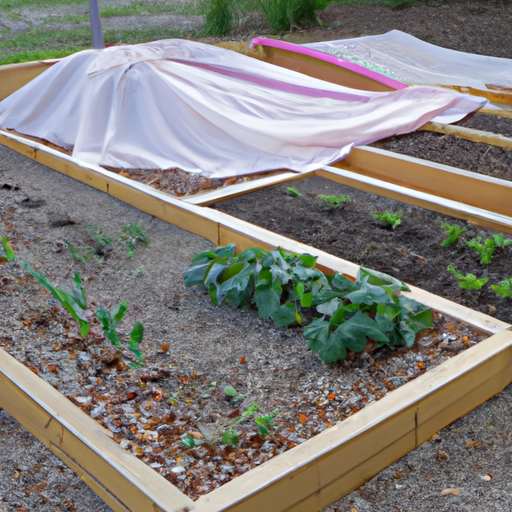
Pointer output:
351, 66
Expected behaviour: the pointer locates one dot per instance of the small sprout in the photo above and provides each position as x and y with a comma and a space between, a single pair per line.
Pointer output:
265, 422
504, 289
468, 281
486, 250
78, 254
293, 191
452, 233
230, 437
8, 250
232, 392
393, 219
334, 201
131, 235
103, 243
189, 442
500, 240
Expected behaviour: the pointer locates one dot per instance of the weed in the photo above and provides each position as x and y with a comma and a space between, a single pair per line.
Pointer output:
334, 201
266, 422
109, 322
468, 281
75, 302
219, 16
232, 392
293, 191
393, 219
504, 289
8, 250
452, 233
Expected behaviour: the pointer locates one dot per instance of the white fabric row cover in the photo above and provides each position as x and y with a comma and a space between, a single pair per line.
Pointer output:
411, 60
179, 103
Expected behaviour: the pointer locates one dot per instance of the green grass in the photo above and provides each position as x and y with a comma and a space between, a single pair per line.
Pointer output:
9, 5
142, 8
49, 44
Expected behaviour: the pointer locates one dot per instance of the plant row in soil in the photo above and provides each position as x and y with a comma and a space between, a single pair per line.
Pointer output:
411, 252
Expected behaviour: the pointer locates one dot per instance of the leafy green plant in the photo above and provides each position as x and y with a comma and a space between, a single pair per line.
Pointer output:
75, 302
486, 250
232, 392
131, 235
286, 288
334, 201
468, 281
393, 219
109, 322
219, 17
504, 289
452, 232
8, 250
293, 191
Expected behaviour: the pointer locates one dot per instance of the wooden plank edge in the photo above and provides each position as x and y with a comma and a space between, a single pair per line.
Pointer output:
459, 185
464, 211
76, 437
493, 139
326, 467
215, 196
15, 76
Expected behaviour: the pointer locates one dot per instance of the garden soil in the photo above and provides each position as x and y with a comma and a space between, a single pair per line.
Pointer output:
190, 344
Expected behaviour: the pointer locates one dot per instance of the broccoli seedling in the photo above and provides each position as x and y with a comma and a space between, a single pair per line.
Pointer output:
393, 219
452, 233
334, 201
468, 281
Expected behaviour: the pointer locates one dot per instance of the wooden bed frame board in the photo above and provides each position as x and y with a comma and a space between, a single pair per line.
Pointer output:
312, 475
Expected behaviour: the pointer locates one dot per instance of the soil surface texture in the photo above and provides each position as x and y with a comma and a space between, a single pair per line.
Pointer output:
190, 344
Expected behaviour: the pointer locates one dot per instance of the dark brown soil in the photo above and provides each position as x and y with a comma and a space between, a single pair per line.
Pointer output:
411, 252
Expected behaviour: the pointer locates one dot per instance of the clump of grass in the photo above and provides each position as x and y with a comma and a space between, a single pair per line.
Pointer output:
284, 15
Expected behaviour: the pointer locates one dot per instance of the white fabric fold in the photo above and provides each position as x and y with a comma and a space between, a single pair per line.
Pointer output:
201, 108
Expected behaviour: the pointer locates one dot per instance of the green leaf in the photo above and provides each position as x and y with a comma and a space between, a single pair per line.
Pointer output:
232, 392
308, 260
78, 292
422, 320
263, 431
108, 326
136, 334
329, 347
329, 308
381, 279
230, 437
267, 296
306, 300
368, 294
189, 442
355, 330
9, 253
118, 312
293, 191
285, 315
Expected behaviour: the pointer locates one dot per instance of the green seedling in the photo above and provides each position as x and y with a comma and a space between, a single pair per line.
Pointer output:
8, 250
78, 254
103, 243
131, 235
288, 289
393, 219
486, 250
293, 191
334, 201
109, 322
266, 422
230, 437
75, 302
504, 289
468, 281
232, 392
452, 233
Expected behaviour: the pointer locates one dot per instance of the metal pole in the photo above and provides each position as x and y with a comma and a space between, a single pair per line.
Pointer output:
94, 15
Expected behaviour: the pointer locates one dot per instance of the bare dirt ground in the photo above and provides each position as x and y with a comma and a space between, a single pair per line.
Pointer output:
473, 455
